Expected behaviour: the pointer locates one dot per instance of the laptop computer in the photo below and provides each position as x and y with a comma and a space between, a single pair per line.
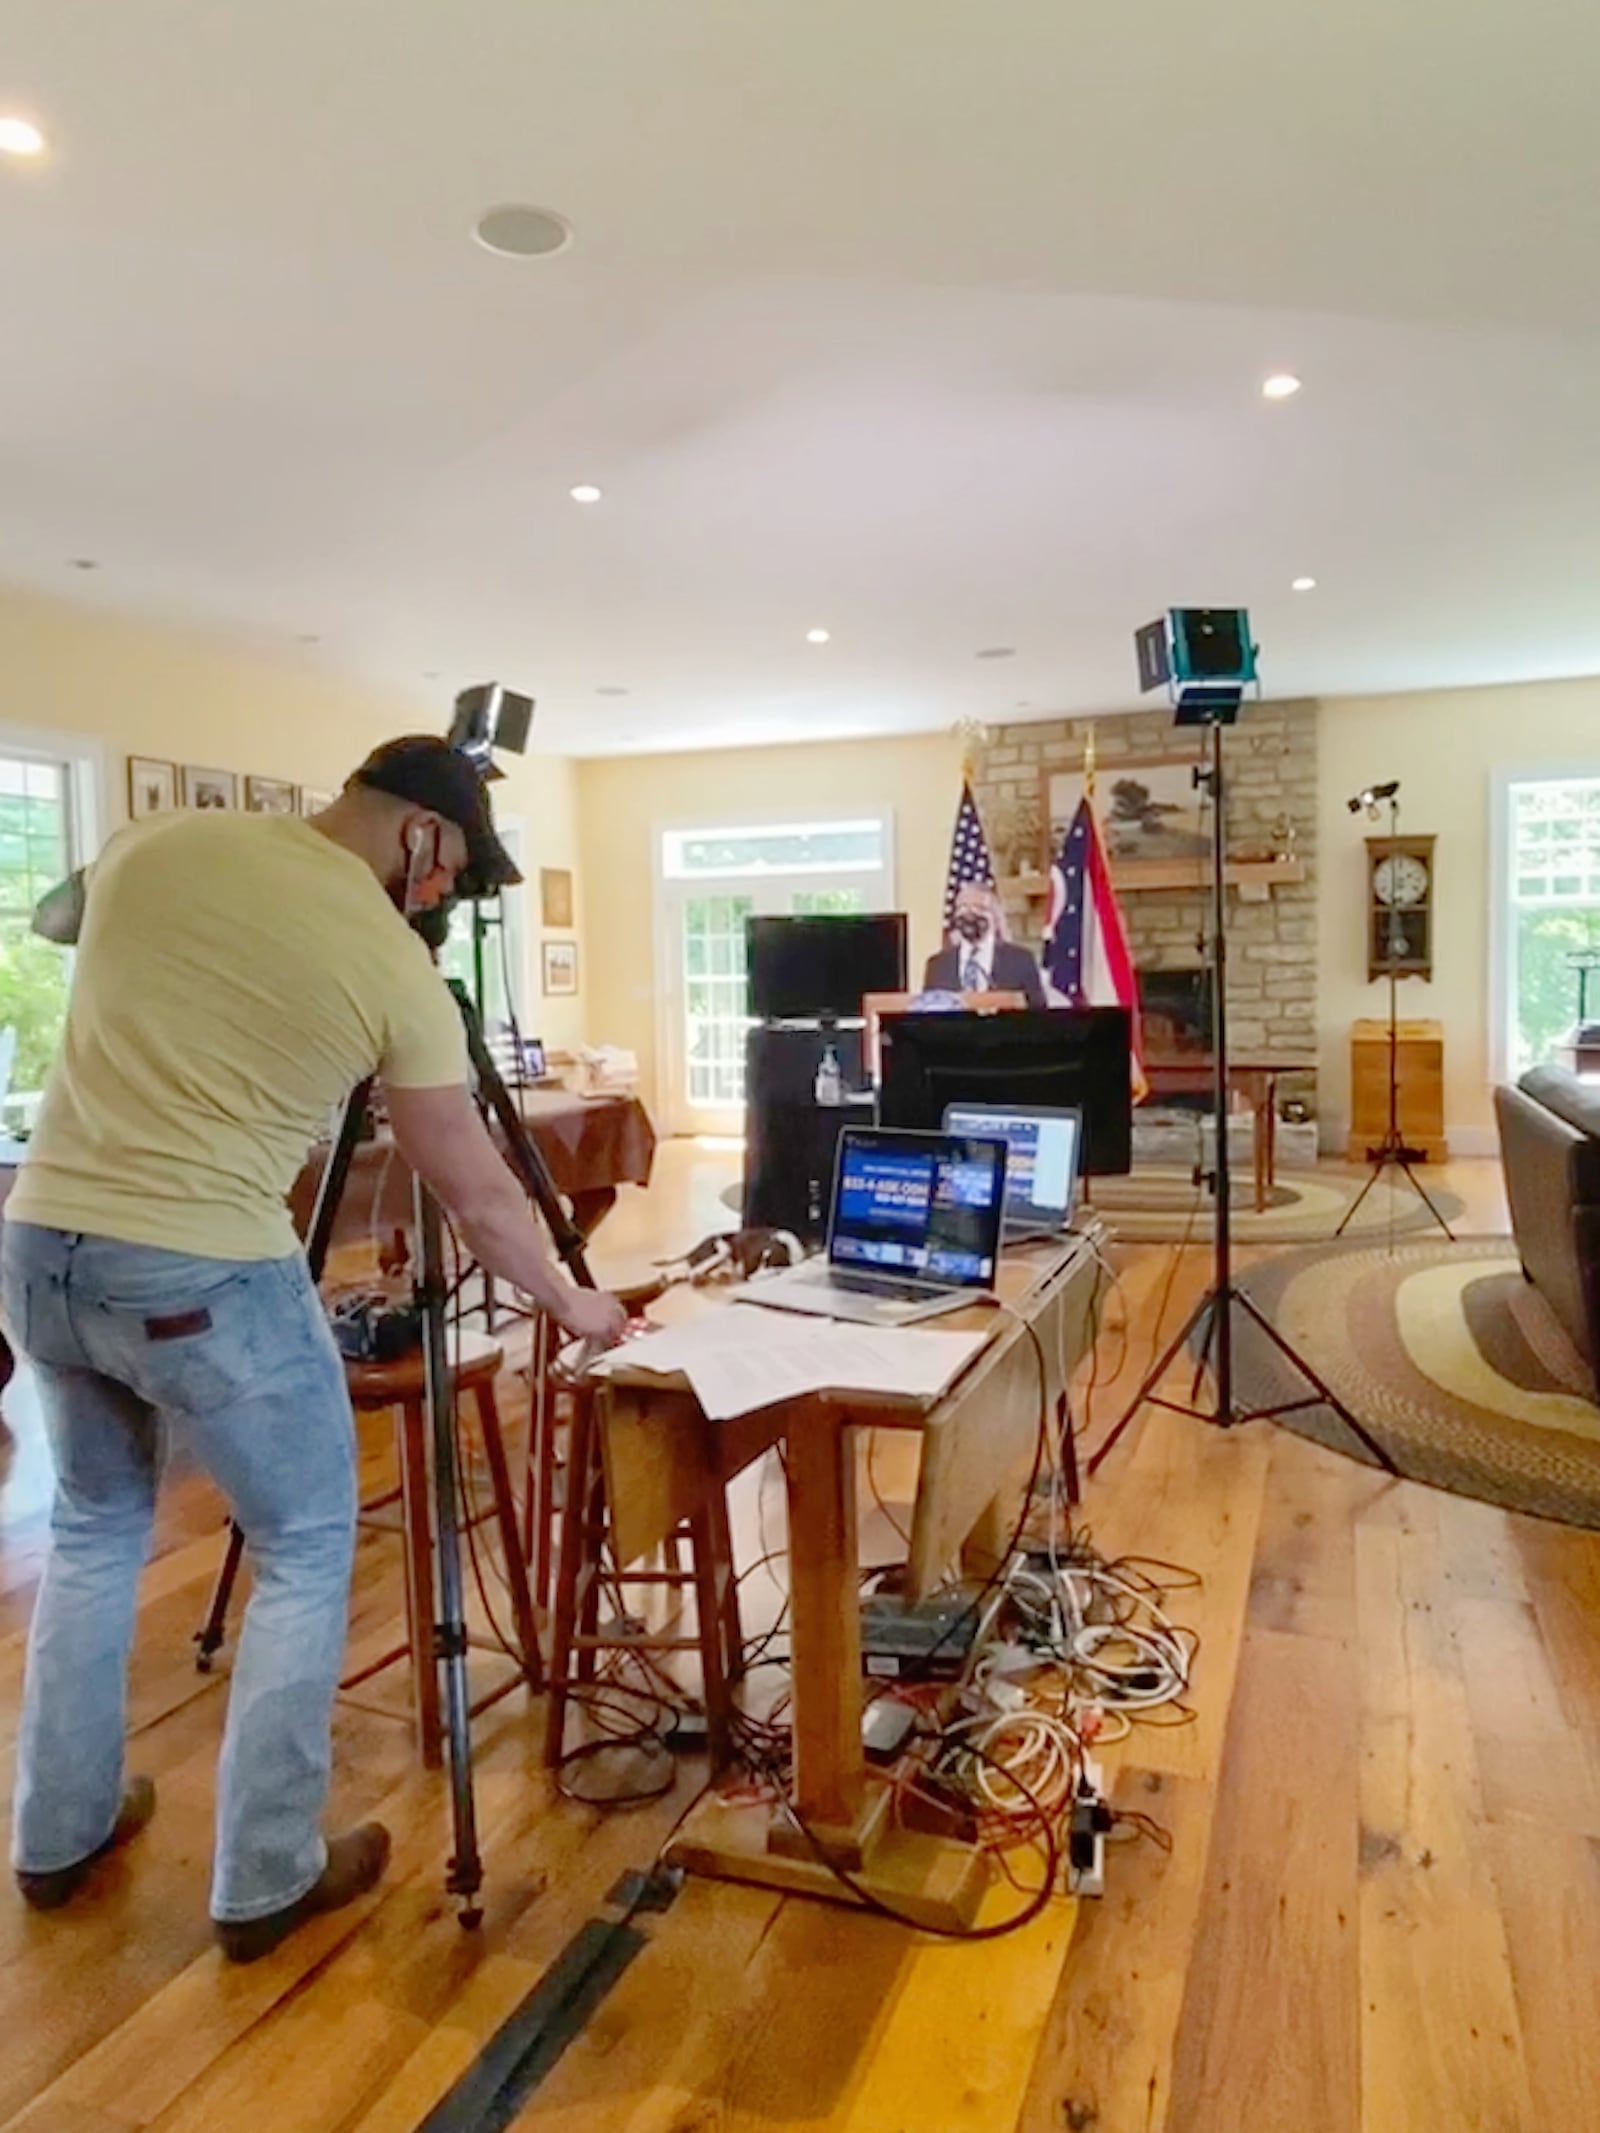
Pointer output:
913, 1230
1044, 1147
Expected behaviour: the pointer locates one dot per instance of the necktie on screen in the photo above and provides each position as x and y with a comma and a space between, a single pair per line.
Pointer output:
972, 976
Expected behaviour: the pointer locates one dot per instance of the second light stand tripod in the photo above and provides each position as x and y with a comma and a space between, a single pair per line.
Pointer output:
1213, 1316
465, 1873
1392, 1152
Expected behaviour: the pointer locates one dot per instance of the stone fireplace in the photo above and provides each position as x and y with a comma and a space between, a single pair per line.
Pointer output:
1270, 762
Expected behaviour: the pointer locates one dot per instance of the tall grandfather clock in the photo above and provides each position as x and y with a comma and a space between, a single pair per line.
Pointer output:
1400, 906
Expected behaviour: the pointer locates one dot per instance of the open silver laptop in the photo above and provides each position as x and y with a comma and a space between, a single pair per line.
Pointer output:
914, 1230
1044, 1149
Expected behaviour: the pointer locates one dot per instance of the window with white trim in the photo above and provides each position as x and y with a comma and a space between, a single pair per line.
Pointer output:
1553, 884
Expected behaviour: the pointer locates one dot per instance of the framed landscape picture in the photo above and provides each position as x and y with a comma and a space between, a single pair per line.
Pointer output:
1149, 808
555, 896
269, 796
560, 968
152, 787
313, 802
209, 788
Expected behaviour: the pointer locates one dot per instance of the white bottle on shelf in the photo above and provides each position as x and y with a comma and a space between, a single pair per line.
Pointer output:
828, 1088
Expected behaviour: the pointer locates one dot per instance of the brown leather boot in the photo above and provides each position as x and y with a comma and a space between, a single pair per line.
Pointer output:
48, 1892
356, 1861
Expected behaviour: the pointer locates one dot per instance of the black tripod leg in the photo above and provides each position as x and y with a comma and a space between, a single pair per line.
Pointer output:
1319, 1385
1426, 1198
1349, 1214
1154, 1375
212, 1634
465, 1875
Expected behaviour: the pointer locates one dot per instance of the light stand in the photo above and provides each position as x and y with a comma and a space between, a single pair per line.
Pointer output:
1216, 707
1392, 1153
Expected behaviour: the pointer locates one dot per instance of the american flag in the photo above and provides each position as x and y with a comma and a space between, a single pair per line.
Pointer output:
1086, 955
969, 855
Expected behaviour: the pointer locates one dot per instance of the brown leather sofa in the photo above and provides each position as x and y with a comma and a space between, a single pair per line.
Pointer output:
1550, 1147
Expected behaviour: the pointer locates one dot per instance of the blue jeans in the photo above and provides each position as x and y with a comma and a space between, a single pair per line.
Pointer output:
233, 1359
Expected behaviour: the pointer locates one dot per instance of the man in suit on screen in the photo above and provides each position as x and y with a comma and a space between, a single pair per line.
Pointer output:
979, 960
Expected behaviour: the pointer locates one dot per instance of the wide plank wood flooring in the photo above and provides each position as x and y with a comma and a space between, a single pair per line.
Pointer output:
1380, 1912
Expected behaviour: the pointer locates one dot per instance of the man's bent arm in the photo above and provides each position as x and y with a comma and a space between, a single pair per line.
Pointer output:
443, 1138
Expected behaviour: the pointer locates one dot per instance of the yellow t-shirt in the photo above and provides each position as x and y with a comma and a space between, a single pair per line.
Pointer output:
236, 976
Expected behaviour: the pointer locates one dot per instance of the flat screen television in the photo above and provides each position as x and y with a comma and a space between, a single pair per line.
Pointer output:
802, 969
1034, 1059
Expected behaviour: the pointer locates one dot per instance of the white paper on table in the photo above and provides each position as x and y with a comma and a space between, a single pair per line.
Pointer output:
737, 1363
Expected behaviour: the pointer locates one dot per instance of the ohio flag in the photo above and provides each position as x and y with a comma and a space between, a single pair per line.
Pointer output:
1086, 955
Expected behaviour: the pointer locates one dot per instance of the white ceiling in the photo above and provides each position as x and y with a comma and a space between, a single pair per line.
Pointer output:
936, 323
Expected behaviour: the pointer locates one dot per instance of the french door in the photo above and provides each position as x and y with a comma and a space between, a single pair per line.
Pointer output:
703, 912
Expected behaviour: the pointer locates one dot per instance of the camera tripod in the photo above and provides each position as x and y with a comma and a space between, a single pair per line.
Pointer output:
1392, 1152
1216, 1308
464, 1876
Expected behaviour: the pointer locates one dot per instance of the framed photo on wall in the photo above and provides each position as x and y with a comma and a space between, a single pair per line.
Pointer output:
269, 796
313, 802
555, 896
152, 787
560, 968
209, 788
1149, 808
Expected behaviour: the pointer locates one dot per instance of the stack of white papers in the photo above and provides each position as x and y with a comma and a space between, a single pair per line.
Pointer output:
737, 1361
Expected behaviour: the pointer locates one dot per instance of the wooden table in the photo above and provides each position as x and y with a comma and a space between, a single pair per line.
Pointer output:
978, 1444
1256, 1080
590, 1144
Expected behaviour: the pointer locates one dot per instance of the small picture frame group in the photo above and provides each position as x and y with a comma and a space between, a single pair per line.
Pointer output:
156, 787
560, 969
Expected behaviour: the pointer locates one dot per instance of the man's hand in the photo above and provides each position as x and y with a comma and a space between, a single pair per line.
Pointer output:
592, 1315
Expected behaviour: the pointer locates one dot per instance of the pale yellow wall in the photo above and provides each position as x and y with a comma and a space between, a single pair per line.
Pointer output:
1445, 747
144, 690
625, 802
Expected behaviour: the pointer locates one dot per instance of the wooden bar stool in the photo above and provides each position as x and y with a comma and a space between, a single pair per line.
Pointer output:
401, 1386
583, 1567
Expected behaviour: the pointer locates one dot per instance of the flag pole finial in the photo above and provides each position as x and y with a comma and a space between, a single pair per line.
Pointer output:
1088, 762
974, 736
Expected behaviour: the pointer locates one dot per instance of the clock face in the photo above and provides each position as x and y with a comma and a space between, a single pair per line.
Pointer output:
1400, 878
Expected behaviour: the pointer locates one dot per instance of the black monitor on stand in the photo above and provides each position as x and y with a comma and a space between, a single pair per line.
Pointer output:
1050, 1058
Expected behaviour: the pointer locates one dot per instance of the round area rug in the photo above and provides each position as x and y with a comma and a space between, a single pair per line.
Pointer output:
1154, 1206
1452, 1360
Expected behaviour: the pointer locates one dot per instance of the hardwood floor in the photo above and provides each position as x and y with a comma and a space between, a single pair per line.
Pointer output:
1380, 1912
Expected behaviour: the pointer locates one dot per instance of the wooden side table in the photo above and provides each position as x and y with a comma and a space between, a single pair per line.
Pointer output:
1419, 1057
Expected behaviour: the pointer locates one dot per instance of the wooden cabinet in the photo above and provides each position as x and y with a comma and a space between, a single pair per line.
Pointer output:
1419, 1053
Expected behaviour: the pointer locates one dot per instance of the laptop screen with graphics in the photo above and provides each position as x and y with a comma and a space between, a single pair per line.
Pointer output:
919, 1206
1042, 1167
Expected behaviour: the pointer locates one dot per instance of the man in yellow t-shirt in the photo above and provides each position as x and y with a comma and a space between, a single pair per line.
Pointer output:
236, 976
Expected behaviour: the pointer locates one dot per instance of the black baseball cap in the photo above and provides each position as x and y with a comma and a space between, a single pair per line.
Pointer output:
430, 773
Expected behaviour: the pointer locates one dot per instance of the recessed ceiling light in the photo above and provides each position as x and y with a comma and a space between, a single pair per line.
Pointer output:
585, 493
1282, 385
818, 636
83, 562
997, 651
1303, 585
519, 232
20, 137
610, 689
